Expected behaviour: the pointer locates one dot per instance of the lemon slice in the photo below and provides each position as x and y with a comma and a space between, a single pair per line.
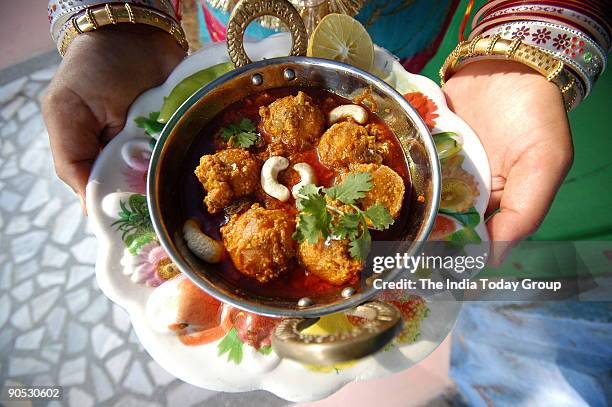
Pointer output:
342, 38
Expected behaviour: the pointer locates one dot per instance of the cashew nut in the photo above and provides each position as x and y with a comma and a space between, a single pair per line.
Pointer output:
269, 183
307, 176
202, 245
356, 112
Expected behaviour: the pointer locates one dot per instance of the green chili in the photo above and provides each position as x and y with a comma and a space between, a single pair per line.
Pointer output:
188, 87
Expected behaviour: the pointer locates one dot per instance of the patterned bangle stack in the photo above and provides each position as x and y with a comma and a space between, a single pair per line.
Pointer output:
498, 48
70, 18
573, 32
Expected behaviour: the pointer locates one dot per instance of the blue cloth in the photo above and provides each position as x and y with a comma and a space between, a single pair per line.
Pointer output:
534, 354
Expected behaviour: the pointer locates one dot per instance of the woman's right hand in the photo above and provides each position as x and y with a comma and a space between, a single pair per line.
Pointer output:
87, 101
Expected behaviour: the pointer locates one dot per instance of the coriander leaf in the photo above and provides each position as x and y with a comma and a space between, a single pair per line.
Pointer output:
379, 216
241, 134
347, 226
360, 247
307, 229
232, 345
311, 226
310, 189
150, 125
265, 350
311, 200
352, 187
314, 219
246, 125
245, 140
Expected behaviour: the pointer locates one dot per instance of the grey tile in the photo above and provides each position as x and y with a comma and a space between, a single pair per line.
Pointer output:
85, 250
37, 197
11, 89
79, 274
19, 366
28, 110
187, 395
8, 129
137, 381
72, 371
27, 245
12, 107
104, 340
5, 309
48, 278
79, 398
42, 303
44, 75
30, 340
66, 223
75, 337
22, 318
116, 364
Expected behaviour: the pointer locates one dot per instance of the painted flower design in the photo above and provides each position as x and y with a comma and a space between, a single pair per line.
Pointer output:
541, 36
135, 173
575, 47
424, 106
520, 33
561, 42
150, 266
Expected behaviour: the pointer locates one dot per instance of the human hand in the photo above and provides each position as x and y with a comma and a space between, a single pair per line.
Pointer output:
87, 101
521, 121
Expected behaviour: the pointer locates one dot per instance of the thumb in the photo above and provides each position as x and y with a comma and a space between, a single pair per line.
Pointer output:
530, 188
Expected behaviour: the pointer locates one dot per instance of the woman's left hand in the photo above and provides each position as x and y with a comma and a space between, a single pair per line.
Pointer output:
520, 119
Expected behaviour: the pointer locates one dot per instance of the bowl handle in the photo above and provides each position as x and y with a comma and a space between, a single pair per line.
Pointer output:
383, 322
246, 11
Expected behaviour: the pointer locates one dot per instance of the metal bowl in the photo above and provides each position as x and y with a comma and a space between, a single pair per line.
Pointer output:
167, 169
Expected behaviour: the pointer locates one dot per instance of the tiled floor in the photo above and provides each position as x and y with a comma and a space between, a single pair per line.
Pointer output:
57, 328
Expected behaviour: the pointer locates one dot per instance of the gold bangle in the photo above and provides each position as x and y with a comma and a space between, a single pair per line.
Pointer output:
99, 16
473, 43
495, 47
494, 40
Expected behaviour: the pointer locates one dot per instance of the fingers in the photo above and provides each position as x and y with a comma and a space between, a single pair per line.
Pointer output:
529, 190
73, 135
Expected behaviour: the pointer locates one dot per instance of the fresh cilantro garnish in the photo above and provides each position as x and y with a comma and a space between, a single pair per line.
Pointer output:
150, 124
360, 247
379, 216
314, 219
242, 134
318, 220
347, 226
265, 350
232, 345
353, 187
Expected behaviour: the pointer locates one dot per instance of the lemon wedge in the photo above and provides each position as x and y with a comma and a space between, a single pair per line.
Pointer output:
342, 38
329, 324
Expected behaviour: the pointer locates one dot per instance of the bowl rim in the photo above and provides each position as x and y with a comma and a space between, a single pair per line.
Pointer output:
261, 309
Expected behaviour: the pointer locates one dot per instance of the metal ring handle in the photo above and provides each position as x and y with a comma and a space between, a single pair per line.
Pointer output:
383, 322
248, 10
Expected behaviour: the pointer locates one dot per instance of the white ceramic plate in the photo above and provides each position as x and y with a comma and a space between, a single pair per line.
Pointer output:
201, 365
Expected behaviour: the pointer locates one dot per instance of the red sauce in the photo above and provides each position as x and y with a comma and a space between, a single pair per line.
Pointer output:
297, 283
